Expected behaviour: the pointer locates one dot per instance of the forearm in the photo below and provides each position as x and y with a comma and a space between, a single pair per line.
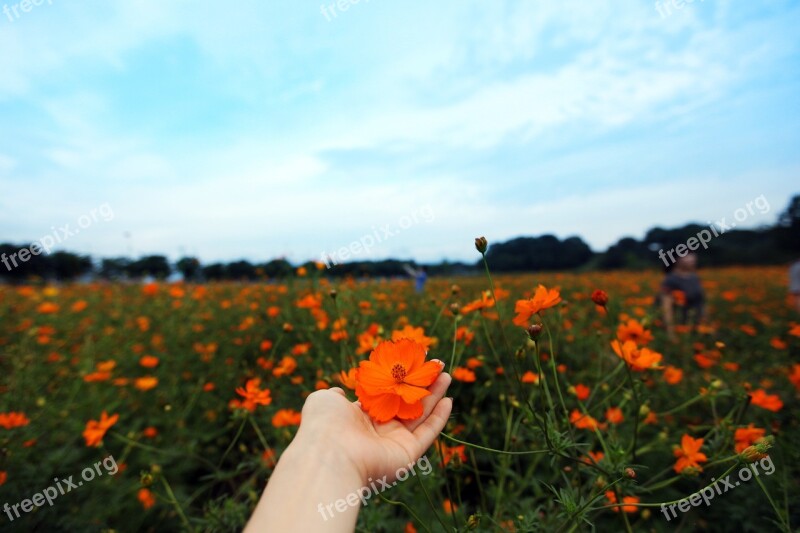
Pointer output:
303, 490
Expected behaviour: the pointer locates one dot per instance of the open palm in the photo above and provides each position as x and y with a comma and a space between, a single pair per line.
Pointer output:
375, 449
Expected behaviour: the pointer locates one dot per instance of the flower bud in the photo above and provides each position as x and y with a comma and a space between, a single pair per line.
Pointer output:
473, 521
534, 330
481, 244
333, 294
758, 450
630, 473
600, 298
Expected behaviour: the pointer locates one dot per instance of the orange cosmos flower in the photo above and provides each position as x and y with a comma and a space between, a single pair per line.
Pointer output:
530, 377
13, 420
3, 477
794, 376
639, 359
746, 437
582, 391
450, 453
542, 299
286, 417
148, 361
96, 429
395, 379
312, 301
463, 374
97, 376
484, 302
689, 455
348, 379
252, 395
415, 334
770, 402
634, 331
596, 456
146, 498
614, 415
145, 383
612, 497
285, 367
47, 308
581, 421
150, 432
673, 375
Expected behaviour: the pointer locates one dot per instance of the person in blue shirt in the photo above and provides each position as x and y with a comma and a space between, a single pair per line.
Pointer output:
419, 275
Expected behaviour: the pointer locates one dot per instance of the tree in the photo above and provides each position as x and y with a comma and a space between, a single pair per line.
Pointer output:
151, 265
189, 267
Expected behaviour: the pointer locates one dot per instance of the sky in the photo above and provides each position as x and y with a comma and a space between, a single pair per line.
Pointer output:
291, 128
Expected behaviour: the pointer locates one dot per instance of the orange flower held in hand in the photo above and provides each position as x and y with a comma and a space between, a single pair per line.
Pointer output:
395, 379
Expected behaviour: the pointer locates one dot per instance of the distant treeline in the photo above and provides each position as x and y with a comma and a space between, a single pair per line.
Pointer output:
776, 244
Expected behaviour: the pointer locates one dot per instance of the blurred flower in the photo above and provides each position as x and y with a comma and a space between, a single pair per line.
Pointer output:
748, 436
600, 297
530, 377
348, 379
582, 391
286, 417
145, 383
450, 453
285, 367
542, 299
484, 302
146, 498
673, 375
148, 361
13, 420
253, 395
415, 334
614, 415
634, 331
689, 455
96, 429
639, 359
612, 497
47, 308
582, 421
770, 402
463, 374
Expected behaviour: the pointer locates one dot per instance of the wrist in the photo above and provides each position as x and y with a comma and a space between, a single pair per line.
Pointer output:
324, 456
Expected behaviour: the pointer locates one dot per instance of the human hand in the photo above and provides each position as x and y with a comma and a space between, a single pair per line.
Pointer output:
372, 449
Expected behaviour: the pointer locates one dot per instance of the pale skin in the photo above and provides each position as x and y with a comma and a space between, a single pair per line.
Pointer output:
337, 449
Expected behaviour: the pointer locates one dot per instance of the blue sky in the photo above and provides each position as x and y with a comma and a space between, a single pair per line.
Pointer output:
262, 129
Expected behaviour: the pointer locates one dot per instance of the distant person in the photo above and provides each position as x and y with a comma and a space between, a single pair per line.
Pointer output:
419, 275
682, 286
794, 283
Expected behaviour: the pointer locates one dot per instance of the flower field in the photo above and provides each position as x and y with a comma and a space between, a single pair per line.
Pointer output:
568, 399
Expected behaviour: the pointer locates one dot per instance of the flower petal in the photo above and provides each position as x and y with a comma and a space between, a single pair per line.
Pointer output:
424, 375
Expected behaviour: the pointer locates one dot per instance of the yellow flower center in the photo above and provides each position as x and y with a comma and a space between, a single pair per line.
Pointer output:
398, 372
